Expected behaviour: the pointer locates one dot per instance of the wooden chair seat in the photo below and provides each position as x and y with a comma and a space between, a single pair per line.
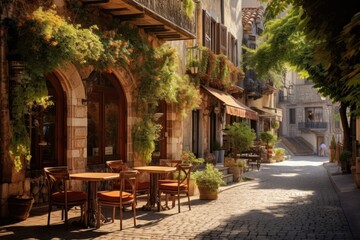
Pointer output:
173, 186
72, 197
114, 196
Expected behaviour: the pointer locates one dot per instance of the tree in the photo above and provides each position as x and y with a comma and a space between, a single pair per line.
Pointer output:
322, 46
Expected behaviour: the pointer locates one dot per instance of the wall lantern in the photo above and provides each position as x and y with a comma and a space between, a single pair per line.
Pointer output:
193, 59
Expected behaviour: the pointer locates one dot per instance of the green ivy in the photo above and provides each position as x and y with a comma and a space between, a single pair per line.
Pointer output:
145, 133
48, 41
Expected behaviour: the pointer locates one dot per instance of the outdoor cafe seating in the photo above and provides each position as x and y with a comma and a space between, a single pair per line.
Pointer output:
178, 187
116, 166
61, 196
119, 198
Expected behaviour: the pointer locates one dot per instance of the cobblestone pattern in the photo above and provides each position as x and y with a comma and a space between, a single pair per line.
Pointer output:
288, 200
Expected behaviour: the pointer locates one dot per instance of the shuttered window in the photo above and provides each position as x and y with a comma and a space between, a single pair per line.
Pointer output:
222, 43
206, 29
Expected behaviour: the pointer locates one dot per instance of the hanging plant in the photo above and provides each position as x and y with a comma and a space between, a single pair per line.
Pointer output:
275, 124
188, 97
189, 7
144, 134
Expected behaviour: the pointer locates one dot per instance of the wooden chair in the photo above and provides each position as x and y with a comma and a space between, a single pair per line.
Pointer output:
119, 198
61, 196
168, 177
118, 166
180, 186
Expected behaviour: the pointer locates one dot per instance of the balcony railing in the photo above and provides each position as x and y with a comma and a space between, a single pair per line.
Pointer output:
164, 18
313, 125
171, 10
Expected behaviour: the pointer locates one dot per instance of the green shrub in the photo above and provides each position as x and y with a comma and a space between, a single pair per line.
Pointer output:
211, 177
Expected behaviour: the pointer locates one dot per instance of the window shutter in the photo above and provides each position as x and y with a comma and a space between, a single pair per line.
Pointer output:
222, 44
236, 52
206, 29
229, 50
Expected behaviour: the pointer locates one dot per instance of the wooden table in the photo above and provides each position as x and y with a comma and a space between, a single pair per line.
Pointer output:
93, 178
252, 159
154, 171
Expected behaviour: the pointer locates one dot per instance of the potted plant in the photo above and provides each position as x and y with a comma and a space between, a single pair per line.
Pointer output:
208, 182
236, 168
190, 158
239, 137
279, 154
269, 140
20, 207
345, 160
219, 152
332, 149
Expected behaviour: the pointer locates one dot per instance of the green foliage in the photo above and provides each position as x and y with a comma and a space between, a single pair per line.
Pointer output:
211, 177
275, 124
189, 7
268, 138
144, 134
189, 157
333, 142
345, 156
48, 41
240, 137
279, 153
216, 70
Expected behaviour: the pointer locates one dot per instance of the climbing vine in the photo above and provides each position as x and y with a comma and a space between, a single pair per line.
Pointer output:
48, 41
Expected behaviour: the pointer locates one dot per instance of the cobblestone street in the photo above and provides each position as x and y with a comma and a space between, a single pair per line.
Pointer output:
294, 199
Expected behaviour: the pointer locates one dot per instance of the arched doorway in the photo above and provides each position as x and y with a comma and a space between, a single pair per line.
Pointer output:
47, 129
106, 138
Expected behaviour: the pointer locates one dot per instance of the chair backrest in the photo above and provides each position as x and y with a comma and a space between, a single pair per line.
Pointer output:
183, 173
169, 163
128, 178
116, 165
56, 178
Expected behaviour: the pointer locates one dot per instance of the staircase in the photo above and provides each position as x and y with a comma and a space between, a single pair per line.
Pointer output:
227, 177
298, 146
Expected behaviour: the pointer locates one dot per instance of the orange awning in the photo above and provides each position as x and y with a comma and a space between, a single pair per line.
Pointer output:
233, 106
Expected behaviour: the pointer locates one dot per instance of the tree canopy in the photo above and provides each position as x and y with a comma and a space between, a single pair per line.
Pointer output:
319, 38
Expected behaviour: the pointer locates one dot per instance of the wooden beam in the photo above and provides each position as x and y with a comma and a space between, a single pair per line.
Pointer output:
129, 16
109, 10
87, 2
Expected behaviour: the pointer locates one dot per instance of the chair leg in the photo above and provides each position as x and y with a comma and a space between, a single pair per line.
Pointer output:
66, 217
134, 213
49, 213
113, 214
178, 202
98, 216
188, 195
121, 216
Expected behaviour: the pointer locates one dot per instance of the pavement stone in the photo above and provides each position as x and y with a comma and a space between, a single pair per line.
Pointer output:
301, 198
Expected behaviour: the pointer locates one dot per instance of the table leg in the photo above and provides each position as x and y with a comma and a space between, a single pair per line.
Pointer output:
92, 211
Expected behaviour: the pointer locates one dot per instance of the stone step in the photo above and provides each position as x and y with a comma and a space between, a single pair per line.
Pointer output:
227, 177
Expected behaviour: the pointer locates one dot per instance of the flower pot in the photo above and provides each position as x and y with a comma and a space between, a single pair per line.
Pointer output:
207, 194
19, 208
193, 189
236, 172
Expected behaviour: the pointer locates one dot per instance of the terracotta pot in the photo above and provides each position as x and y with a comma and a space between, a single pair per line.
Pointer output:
19, 208
236, 172
206, 194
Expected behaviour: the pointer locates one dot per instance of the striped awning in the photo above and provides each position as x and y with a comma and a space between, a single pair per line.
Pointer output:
233, 106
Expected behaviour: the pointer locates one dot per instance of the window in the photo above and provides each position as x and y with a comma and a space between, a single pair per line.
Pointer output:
292, 118
314, 114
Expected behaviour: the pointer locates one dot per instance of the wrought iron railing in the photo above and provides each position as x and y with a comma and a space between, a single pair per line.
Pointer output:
171, 10
312, 125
